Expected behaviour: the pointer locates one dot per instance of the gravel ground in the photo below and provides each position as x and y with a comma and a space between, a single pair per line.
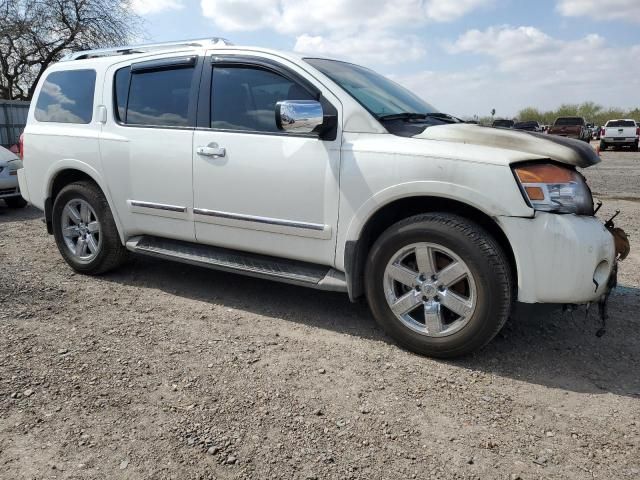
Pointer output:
163, 370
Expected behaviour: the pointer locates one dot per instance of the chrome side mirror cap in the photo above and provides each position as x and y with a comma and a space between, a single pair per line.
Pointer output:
299, 116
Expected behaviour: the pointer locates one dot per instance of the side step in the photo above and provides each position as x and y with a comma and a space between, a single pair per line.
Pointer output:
252, 264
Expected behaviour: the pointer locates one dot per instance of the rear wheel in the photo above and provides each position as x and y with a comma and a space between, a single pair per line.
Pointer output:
634, 147
603, 146
439, 284
15, 202
85, 231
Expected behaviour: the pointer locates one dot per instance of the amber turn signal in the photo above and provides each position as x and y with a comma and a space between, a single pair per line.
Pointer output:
545, 173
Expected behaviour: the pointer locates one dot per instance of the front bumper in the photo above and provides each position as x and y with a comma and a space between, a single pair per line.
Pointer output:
560, 258
8, 183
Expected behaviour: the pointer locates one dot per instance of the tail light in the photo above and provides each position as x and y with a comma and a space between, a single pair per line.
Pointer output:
603, 132
638, 131
21, 146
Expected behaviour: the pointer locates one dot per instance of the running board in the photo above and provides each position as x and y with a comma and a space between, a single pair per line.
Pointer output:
252, 264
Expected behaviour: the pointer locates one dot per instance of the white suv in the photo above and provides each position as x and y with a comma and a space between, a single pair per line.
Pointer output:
314, 172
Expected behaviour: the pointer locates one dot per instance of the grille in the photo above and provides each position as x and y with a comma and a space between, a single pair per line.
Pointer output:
7, 191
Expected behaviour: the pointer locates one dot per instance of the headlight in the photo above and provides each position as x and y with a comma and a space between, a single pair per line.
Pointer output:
551, 188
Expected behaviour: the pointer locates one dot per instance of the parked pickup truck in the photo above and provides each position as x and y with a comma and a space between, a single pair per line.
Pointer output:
314, 172
571, 127
620, 133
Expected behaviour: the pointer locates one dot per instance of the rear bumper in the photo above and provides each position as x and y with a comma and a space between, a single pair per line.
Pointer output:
625, 140
22, 181
560, 258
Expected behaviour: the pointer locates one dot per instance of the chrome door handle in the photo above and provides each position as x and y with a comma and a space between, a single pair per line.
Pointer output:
212, 150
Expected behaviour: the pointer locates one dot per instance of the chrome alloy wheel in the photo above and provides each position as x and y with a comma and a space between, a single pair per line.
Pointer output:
430, 289
81, 230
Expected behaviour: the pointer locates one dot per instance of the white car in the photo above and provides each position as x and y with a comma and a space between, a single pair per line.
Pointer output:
620, 133
314, 172
9, 190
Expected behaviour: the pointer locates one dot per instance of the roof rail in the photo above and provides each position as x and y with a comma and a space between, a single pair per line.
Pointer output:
130, 49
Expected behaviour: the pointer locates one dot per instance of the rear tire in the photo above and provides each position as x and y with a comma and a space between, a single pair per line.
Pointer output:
603, 146
634, 147
481, 298
85, 231
15, 202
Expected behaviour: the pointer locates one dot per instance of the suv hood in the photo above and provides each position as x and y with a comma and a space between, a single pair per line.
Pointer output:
539, 145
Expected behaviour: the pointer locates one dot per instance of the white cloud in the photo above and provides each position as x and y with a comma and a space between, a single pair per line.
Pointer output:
527, 67
148, 7
628, 10
369, 48
311, 17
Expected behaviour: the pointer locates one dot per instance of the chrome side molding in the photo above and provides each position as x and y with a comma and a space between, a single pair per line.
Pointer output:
266, 220
158, 206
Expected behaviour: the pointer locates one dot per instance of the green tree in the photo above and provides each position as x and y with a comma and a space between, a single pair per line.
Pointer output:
36, 33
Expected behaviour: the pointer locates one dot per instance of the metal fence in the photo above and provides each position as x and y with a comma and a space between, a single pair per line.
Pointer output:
13, 118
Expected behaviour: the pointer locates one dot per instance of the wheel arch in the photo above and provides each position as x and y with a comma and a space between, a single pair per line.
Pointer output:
357, 251
67, 174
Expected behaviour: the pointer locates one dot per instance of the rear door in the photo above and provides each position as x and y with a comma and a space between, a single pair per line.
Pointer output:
147, 144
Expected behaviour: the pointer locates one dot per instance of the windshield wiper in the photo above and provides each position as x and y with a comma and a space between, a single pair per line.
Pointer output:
445, 117
403, 116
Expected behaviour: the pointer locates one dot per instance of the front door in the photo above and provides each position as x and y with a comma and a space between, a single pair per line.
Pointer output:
256, 188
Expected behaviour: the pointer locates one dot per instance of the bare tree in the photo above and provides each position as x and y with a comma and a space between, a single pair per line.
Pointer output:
36, 33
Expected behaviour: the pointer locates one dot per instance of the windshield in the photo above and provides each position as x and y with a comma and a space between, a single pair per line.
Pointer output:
621, 123
378, 94
569, 121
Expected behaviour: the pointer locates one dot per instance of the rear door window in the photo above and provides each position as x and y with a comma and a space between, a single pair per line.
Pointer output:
154, 97
67, 97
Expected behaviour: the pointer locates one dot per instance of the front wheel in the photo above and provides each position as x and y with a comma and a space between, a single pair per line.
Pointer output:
439, 284
85, 231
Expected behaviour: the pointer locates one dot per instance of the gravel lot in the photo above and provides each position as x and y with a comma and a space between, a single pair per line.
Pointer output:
163, 370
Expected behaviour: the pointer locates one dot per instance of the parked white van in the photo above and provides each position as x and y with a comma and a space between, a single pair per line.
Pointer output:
314, 172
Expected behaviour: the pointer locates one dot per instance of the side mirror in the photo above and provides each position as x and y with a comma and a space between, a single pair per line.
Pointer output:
299, 116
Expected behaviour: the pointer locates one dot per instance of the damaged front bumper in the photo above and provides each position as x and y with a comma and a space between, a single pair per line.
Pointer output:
561, 259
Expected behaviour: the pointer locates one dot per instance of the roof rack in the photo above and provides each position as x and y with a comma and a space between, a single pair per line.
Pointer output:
130, 49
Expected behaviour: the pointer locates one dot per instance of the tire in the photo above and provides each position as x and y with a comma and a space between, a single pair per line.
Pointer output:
634, 147
15, 202
108, 252
603, 146
488, 272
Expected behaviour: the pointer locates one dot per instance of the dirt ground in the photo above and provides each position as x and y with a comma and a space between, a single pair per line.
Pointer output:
163, 370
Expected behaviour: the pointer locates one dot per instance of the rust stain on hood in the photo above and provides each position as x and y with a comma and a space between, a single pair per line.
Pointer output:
563, 150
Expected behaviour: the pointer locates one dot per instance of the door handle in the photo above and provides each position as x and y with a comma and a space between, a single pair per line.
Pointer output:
212, 150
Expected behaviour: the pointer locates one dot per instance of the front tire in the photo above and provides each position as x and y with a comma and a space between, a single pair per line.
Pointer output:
439, 285
15, 202
85, 231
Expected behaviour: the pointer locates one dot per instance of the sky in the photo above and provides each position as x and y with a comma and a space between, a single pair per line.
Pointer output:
465, 57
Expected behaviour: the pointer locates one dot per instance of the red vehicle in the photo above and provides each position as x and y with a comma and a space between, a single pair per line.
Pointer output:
571, 127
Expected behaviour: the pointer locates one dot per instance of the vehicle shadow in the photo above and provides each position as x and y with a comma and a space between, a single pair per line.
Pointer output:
8, 215
540, 345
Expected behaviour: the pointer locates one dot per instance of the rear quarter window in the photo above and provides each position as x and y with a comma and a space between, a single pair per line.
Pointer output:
67, 97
